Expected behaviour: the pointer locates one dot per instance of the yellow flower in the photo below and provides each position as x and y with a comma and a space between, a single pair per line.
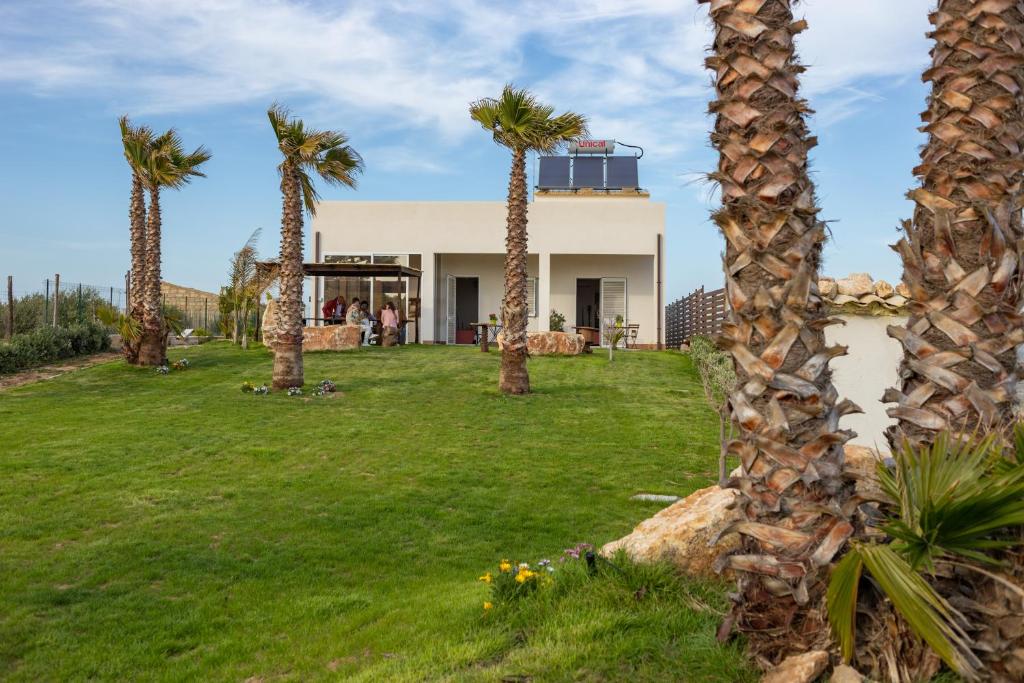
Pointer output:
486, 578
487, 606
505, 566
524, 575
520, 578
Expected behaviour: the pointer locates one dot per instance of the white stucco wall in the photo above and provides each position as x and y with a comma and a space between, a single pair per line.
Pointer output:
862, 376
597, 230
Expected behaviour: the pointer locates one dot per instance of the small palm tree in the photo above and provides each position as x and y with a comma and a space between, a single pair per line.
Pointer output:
516, 120
136, 141
305, 150
247, 282
168, 165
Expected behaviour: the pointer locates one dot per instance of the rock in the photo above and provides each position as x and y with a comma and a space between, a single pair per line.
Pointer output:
884, 289
903, 290
655, 498
330, 338
845, 674
389, 337
798, 668
827, 287
551, 343
269, 324
681, 532
856, 285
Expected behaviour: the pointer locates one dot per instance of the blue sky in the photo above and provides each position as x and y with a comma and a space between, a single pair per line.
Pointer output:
397, 76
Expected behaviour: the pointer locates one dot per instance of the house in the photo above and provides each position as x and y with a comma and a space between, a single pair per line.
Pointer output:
595, 254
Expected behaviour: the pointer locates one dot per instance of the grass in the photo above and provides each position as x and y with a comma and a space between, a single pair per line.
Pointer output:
171, 527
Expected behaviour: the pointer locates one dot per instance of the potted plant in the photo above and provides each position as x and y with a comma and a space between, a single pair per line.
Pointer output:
494, 318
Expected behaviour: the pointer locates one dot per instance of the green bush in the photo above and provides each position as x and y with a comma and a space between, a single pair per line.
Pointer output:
46, 344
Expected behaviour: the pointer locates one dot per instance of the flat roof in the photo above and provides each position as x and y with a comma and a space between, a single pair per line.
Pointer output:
360, 270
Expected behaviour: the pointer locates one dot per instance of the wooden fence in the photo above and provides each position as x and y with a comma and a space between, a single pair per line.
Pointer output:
699, 313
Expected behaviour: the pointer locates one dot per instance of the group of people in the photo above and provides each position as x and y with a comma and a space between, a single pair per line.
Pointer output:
358, 313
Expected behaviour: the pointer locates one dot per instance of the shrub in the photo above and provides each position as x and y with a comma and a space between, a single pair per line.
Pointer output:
556, 321
46, 344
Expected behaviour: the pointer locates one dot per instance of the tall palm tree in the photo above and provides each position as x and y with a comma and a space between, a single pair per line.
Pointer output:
790, 445
305, 150
516, 120
168, 165
961, 251
136, 141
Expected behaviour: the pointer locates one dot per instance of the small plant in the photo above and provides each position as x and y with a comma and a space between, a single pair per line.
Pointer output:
516, 581
718, 378
327, 386
493, 318
163, 370
248, 387
181, 364
295, 391
261, 390
556, 321
614, 332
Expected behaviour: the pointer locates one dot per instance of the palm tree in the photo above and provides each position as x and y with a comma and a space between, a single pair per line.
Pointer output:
304, 150
961, 253
168, 165
247, 283
516, 120
136, 141
789, 443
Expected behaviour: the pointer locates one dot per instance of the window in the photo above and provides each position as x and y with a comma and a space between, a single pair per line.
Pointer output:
378, 291
531, 296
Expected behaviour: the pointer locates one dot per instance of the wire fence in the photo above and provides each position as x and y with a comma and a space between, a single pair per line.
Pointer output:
57, 302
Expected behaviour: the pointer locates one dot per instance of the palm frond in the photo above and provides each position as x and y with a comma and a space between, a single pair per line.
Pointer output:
841, 599
517, 120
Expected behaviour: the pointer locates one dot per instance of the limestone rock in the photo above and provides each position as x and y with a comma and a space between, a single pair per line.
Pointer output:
884, 289
856, 285
798, 668
903, 290
827, 287
389, 337
330, 338
681, 532
845, 674
551, 343
269, 325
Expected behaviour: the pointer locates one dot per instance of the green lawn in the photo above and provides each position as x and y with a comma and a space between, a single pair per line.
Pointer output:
173, 528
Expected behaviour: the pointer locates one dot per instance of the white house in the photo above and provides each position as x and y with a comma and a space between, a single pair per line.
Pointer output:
593, 255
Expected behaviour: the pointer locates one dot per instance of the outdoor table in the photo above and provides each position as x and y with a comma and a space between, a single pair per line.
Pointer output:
487, 332
591, 335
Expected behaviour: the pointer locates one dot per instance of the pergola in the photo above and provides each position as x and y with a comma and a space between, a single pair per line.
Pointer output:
369, 270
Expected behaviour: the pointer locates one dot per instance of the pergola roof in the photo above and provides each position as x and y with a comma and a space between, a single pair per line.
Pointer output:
354, 269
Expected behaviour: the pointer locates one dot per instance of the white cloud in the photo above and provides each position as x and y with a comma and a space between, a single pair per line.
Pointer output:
403, 65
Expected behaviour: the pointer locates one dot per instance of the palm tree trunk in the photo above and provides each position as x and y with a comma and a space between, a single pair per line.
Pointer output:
961, 252
513, 378
789, 444
288, 371
137, 235
152, 350
245, 326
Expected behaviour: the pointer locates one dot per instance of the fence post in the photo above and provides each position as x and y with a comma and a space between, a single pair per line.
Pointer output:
111, 297
78, 306
10, 306
127, 292
56, 299
46, 303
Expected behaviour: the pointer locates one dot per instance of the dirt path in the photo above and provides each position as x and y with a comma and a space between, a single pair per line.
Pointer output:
56, 370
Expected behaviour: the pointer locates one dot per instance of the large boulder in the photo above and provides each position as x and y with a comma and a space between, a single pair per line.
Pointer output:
389, 336
555, 344
551, 343
269, 325
827, 287
884, 289
682, 532
330, 338
856, 285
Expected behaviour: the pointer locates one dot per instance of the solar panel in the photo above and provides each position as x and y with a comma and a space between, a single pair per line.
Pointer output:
622, 173
588, 172
554, 173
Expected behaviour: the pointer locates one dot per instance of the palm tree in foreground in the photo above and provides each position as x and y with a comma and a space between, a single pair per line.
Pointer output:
961, 253
790, 445
516, 120
136, 141
168, 165
304, 150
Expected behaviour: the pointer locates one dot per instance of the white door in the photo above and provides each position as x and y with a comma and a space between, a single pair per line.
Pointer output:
450, 310
613, 301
